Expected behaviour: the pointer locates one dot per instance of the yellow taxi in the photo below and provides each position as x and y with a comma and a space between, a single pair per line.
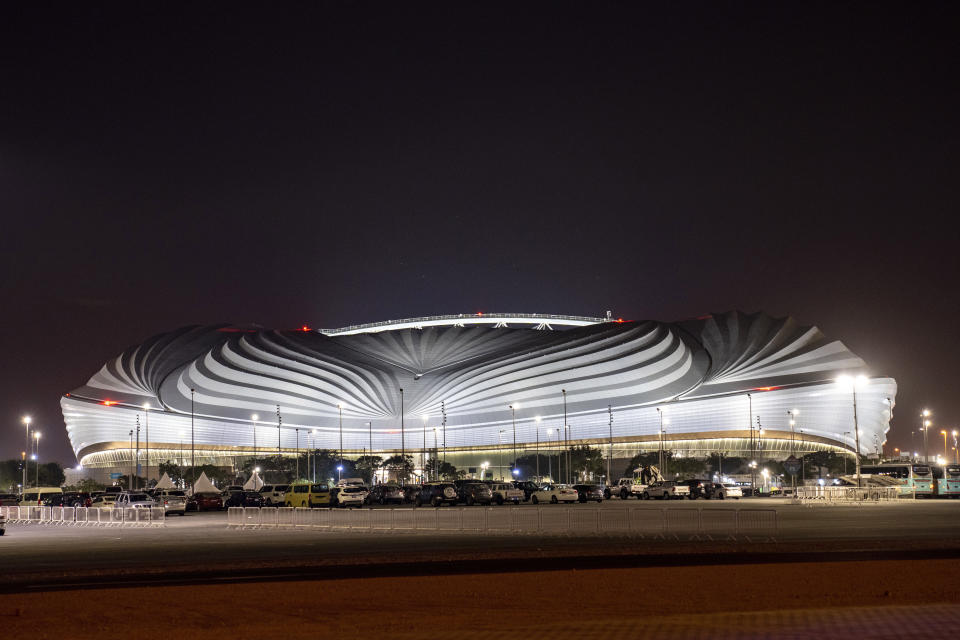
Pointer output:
304, 494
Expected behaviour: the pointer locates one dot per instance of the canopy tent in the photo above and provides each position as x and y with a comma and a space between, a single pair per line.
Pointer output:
203, 485
254, 483
165, 482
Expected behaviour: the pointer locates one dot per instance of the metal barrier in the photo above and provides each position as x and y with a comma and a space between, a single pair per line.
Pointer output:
693, 523
84, 516
853, 494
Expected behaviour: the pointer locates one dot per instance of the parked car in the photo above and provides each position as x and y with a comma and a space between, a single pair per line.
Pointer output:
505, 492
529, 487
77, 499
104, 501
9, 500
471, 493
352, 482
304, 494
173, 501
587, 492
273, 494
347, 496
229, 495
34, 496
666, 490
410, 493
386, 494
243, 499
54, 500
204, 502
699, 488
625, 488
3, 523
554, 493
436, 494
727, 490
138, 500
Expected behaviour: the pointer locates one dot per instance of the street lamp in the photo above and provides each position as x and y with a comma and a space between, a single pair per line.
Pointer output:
537, 449
26, 445
253, 418
853, 383
436, 466
500, 450
36, 435
513, 418
339, 469
340, 411
793, 445
944, 432
924, 425
549, 457
146, 424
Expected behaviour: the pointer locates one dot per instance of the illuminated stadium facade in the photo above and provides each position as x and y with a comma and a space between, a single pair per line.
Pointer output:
447, 384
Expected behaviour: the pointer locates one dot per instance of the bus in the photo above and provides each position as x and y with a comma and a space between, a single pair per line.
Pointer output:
911, 478
947, 478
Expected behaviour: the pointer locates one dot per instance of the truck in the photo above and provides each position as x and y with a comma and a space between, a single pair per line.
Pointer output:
666, 490
635, 486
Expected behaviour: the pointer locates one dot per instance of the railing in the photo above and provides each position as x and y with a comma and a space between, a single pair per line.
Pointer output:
84, 516
694, 522
853, 494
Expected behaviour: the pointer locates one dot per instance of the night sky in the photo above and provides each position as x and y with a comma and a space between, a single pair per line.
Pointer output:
165, 164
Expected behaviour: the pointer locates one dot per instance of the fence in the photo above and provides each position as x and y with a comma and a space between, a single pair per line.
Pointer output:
694, 523
84, 516
853, 494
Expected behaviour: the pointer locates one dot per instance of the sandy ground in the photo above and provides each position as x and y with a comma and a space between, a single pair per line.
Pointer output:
869, 599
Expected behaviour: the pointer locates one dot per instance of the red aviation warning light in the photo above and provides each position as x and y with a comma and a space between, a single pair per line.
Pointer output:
304, 328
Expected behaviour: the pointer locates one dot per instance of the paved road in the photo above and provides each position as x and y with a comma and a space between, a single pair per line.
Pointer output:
202, 545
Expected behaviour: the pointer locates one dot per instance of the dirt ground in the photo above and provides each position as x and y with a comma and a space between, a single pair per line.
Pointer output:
835, 599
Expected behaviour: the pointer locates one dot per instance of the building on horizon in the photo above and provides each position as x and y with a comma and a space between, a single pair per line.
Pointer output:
480, 387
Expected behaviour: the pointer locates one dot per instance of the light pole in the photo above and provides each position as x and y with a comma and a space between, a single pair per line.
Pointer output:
340, 413
436, 465
193, 459
513, 419
403, 448
860, 380
36, 436
443, 412
132, 463
26, 446
944, 432
924, 425
313, 453
559, 469
753, 453
660, 440
146, 424
566, 432
296, 452
500, 451
549, 457
537, 449
137, 475
845, 434
610, 457
793, 445
279, 425
253, 418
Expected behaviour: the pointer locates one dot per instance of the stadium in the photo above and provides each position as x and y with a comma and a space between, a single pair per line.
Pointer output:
480, 388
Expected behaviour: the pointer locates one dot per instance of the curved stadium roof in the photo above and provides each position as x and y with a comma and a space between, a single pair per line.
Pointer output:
698, 372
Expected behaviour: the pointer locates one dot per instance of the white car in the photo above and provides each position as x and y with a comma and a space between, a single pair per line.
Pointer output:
727, 490
172, 501
666, 490
273, 494
106, 501
351, 482
127, 500
507, 493
348, 496
554, 493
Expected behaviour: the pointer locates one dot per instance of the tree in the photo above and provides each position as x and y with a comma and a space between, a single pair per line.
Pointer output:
367, 466
399, 466
527, 465
586, 461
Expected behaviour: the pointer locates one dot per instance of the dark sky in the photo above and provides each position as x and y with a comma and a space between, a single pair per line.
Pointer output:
165, 164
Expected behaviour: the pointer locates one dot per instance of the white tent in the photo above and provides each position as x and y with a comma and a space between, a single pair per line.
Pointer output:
254, 483
203, 485
165, 482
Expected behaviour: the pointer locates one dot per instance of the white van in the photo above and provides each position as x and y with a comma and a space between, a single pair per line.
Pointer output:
351, 482
34, 496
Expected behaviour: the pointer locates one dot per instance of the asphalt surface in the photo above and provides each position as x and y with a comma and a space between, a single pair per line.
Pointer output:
201, 548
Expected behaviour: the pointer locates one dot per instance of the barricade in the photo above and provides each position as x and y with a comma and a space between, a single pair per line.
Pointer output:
284, 516
525, 520
757, 522
234, 517
81, 516
852, 494
696, 523
682, 522
583, 520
